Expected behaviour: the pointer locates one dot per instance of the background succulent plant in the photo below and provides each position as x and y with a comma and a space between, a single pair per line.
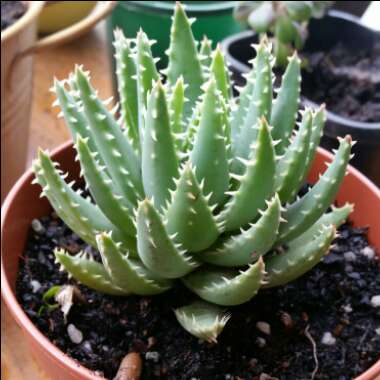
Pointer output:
286, 20
189, 184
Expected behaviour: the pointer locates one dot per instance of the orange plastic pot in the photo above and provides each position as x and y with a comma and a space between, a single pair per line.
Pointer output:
23, 204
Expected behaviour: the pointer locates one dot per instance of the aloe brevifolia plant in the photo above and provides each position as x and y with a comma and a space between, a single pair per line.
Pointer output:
285, 20
190, 185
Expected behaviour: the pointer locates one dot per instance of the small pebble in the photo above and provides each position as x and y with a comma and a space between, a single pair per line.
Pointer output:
152, 355
37, 226
349, 256
328, 339
264, 327
35, 286
375, 301
75, 335
377, 331
368, 252
347, 308
260, 342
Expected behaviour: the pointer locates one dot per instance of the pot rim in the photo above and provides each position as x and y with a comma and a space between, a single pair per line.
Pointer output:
63, 360
350, 125
34, 9
191, 9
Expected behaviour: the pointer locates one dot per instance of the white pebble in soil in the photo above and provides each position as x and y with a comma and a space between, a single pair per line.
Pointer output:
35, 286
349, 256
347, 308
328, 339
377, 331
75, 335
375, 301
37, 226
152, 355
368, 252
264, 327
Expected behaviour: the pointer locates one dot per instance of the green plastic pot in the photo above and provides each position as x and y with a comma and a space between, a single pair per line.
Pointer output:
214, 20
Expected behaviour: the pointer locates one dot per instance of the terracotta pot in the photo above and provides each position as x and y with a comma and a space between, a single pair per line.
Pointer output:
23, 204
18, 45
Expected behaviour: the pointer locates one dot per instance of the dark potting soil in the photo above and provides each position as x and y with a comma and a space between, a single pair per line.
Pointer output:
331, 306
11, 11
347, 80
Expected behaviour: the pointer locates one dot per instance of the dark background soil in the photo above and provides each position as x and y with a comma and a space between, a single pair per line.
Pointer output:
114, 326
11, 11
347, 81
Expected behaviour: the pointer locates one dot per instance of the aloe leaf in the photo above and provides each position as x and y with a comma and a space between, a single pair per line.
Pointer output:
118, 155
226, 287
219, 70
336, 217
159, 159
290, 168
156, 248
209, 154
250, 244
304, 212
255, 186
88, 272
184, 58
285, 105
78, 213
189, 214
205, 55
203, 320
259, 105
298, 259
127, 273
127, 86
114, 206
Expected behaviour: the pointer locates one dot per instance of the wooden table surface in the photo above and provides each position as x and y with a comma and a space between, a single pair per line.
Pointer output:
48, 132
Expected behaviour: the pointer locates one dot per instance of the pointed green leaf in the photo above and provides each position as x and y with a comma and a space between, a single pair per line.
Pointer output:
219, 69
290, 168
285, 106
259, 105
156, 249
118, 155
224, 286
127, 273
115, 207
127, 86
247, 247
147, 74
159, 160
303, 213
297, 260
205, 53
183, 58
255, 186
319, 119
239, 111
75, 120
209, 154
78, 213
176, 108
336, 217
203, 320
189, 214
88, 272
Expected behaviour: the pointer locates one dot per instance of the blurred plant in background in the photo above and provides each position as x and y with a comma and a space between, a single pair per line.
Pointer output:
287, 21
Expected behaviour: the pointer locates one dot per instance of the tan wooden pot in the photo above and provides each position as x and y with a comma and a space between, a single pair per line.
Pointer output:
19, 43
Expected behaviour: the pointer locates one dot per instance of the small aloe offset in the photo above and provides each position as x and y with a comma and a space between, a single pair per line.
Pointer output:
285, 20
191, 185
